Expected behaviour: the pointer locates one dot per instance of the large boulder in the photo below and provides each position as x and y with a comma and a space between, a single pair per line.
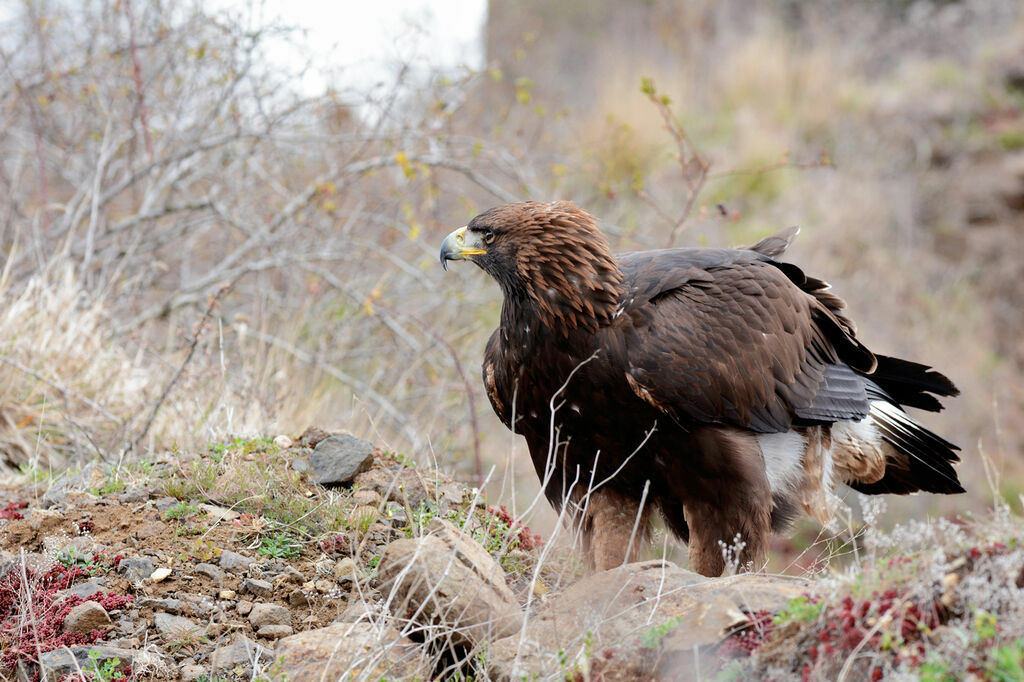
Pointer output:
641, 621
363, 650
446, 580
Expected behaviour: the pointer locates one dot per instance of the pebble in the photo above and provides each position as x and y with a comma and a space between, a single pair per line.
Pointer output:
275, 631
258, 588
190, 672
210, 571
227, 594
136, 568
160, 574
244, 607
175, 626
85, 617
269, 614
233, 561
169, 605
298, 598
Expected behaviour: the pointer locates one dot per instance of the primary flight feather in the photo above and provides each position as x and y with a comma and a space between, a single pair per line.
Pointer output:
721, 387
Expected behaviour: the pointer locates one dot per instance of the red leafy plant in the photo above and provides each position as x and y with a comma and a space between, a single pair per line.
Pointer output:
33, 610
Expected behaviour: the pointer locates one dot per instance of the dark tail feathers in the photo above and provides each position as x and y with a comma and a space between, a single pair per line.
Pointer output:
923, 460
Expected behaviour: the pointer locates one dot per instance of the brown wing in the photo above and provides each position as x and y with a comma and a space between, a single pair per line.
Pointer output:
729, 336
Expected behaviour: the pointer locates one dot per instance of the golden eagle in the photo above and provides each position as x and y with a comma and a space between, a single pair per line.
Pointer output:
722, 387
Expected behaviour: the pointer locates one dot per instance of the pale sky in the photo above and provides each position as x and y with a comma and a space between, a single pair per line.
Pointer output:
358, 40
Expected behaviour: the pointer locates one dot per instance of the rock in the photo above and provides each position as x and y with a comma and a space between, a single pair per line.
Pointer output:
298, 598
175, 627
369, 498
226, 595
133, 495
283, 442
627, 610
169, 605
258, 588
242, 652
189, 672
397, 483
68, 661
160, 574
324, 586
84, 590
269, 614
359, 610
442, 578
219, 513
346, 570
231, 561
165, 503
335, 651
336, 460
312, 436
136, 568
275, 631
210, 571
85, 617
244, 607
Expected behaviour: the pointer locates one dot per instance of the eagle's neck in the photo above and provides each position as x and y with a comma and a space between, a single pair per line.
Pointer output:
562, 289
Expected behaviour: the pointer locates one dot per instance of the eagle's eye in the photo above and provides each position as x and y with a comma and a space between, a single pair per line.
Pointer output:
488, 237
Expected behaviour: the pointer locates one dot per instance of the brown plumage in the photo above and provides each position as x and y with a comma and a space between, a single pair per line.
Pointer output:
726, 388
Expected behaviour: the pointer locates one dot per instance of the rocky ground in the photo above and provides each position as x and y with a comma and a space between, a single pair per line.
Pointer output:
321, 557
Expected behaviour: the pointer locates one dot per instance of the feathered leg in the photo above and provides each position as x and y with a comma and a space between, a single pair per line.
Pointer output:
608, 526
726, 496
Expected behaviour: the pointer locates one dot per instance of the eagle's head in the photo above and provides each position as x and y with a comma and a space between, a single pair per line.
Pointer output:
550, 256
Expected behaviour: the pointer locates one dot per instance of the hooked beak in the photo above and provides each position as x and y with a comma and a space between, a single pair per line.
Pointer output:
460, 244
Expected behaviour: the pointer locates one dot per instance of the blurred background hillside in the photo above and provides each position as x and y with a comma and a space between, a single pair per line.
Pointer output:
194, 245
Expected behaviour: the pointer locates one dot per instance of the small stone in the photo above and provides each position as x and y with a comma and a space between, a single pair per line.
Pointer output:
85, 617
275, 631
337, 460
269, 614
227, 594
258, 588
220, 513
84, 590
242, 652
160, 574
169, 605
190, 672
133, 495
358, 610
367, 497
312, 436
210, 571
346, 570
324, 586
165, 503
283, 442
244, 607
298, 598
233, 561
136, 568
175, 626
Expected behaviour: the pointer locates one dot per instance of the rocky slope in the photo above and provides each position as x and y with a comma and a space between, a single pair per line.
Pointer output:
325, 558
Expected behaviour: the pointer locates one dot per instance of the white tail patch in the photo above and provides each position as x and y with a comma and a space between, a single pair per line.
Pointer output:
783, 459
